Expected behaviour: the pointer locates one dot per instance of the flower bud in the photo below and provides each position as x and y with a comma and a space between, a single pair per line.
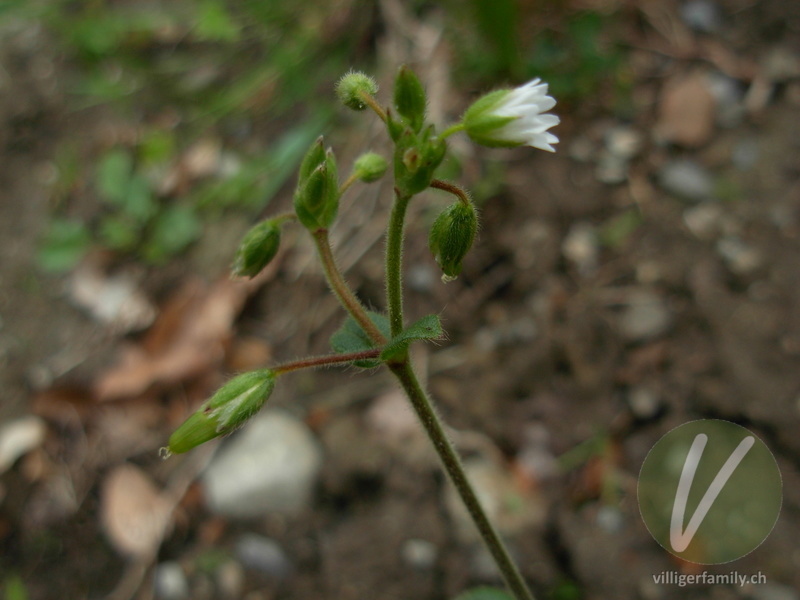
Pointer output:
370, 167
352, 87
452, 235
232, 405
257, 248
316, 200
313, 158
409, 98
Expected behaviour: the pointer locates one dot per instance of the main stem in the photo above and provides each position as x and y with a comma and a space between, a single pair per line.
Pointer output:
452, 464
343, 292
423, 406
394, 262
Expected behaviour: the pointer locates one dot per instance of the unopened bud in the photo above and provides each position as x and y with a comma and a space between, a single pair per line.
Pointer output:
409, 98
452, 235
316, 200
370, 167
228, 409
258, 247
352, 87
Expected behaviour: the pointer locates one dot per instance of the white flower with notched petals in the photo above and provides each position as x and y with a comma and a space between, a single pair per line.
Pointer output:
510, 118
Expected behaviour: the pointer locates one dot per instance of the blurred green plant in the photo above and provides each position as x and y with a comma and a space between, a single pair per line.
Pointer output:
13, 587
571, 49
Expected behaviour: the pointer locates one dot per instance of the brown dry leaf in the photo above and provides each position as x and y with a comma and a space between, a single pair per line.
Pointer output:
686, 110
133, 512
189, 338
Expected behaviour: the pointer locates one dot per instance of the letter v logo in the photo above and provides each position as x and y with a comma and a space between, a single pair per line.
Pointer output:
678, 538
709, 491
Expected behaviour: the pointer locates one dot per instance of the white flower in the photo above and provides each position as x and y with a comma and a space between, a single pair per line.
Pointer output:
510, 118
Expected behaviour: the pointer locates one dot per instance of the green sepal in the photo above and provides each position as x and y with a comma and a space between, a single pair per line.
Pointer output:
227, 410
427, 328
409, 98
416, 158
481, 125
257, 249
351, 338
313, 158
452, 235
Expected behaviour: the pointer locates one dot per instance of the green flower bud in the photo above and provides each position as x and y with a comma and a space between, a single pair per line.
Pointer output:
316, 200
370, 167
257, 248
351, 88
452, 235
409, 98
313, 158
232, 405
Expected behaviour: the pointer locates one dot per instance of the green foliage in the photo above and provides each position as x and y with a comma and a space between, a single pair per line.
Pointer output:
579, 61
427, 328
351, 338
64, 244
14, 587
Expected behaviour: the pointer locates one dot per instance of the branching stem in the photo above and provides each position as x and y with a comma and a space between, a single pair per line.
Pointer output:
346, 296
325, 361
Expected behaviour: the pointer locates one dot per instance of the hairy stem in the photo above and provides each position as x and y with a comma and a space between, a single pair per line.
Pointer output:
324, 361
342, 291
394, 262
451, 130
370, 101
452, 464
452, 188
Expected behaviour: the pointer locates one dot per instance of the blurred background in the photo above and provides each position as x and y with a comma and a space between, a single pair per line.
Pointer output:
643, 276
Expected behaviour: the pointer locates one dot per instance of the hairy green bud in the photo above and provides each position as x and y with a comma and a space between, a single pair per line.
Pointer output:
228, 409
370, 167
409, 98
316, 200
452, 235
257, 248
352, 87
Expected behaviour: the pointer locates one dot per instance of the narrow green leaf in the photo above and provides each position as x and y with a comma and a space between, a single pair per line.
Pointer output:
427, 328
351, 338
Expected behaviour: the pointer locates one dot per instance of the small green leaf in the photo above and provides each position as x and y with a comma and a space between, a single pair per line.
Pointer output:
119, 232
214, 24
484, 593
173, 230
351, 338
113, 176
427, 328
63, 245
138, 201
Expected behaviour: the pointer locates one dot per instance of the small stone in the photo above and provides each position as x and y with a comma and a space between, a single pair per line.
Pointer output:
644, 402
169, 582
740, 257
702, 15
581, 247
420, 554
262, 555
271, 465
610, 519
421, 278
624, 142
704, 220
686, 179
611, 169
644, 317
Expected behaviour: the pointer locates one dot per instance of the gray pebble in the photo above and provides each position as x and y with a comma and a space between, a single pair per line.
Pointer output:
420, 554
702, 15
644, 317
686, 179
169, 582
263, 555
271, 465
